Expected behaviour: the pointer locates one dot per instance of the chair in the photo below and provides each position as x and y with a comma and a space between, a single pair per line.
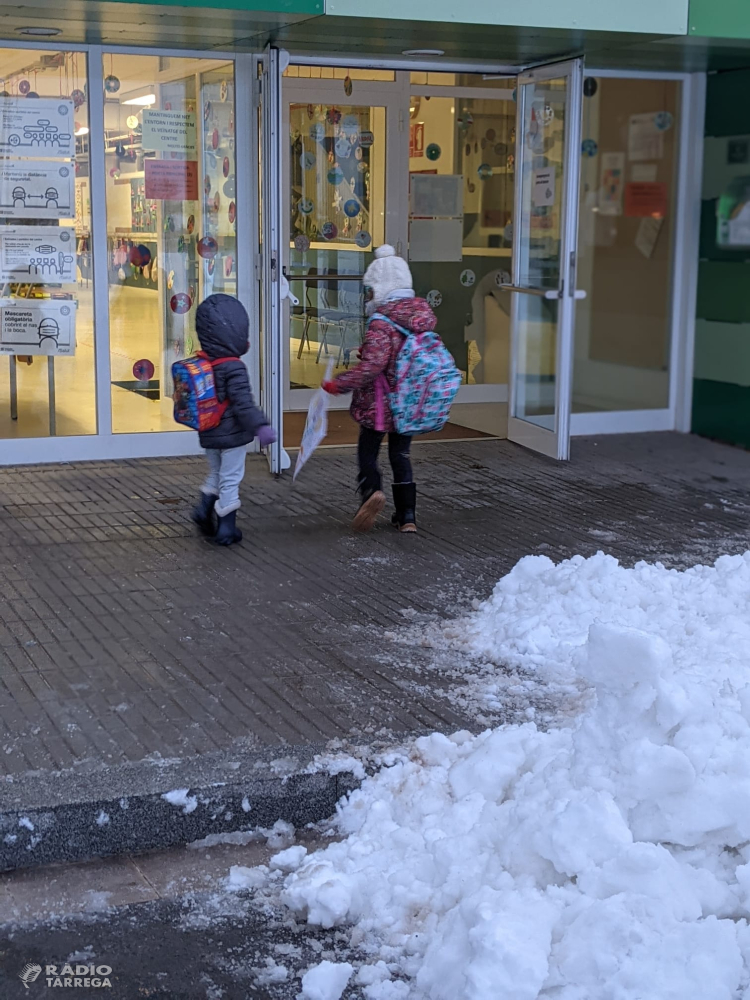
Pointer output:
346, 315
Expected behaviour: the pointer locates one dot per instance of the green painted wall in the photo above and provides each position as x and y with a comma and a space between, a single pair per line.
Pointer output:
720, 18
721, 390
668, 17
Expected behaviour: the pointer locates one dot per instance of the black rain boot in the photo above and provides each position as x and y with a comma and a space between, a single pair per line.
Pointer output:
373, 502
203, 514
228, 533
405, 502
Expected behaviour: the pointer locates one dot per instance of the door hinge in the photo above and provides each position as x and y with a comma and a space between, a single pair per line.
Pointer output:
401, 121
258, 264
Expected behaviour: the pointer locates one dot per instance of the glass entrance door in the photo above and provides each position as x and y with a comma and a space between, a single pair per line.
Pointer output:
548, 139
338, 140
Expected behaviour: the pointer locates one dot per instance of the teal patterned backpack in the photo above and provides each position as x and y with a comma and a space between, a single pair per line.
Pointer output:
427, 381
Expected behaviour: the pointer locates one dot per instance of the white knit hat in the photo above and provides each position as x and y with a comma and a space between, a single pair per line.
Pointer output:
387, 273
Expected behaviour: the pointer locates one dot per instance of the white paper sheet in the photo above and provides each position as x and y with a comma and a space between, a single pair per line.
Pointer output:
37, 326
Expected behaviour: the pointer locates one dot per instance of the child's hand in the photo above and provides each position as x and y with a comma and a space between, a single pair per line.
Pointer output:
332, 388
266, 435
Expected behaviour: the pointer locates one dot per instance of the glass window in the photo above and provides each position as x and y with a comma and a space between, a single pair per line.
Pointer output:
171, 220
629, 164
47, 368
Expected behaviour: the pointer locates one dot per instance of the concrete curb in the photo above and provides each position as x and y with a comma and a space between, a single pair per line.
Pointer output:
74, 816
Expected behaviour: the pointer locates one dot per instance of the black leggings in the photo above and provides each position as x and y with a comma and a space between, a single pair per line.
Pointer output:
367, 452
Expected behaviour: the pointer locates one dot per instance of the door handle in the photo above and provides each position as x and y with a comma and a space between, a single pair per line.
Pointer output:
542, 293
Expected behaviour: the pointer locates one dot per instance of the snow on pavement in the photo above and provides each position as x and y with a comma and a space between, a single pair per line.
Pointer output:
609, 858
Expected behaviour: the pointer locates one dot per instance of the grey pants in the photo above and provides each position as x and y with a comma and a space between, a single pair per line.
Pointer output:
226, 470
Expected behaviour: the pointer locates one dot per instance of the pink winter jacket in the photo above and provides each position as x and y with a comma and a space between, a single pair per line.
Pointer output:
378, 357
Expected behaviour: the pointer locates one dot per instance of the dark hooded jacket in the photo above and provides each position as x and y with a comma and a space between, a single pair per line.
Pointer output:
222, 325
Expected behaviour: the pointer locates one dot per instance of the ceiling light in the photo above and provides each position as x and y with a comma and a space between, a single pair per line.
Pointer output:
81, 131
146, 99
423, 52
40, 31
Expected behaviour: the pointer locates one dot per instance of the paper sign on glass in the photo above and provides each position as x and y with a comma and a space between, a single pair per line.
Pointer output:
543, 190
611, 186
169, 131
36, 189
38, 254
37, 326
171, 180
645, 140
41, 126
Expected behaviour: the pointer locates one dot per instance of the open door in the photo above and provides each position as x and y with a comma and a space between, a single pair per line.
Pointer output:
545, 228
273, 287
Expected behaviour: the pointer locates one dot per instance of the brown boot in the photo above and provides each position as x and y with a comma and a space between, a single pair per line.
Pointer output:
371, 506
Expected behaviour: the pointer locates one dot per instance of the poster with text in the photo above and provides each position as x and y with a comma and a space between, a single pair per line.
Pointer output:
645, 140
40, 126
543, 188
642, 200
37, 189
169, 131
171, 180
37, 326
38, 254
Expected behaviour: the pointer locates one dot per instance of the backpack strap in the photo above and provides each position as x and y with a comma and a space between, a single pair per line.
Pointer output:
215, 361
406, 333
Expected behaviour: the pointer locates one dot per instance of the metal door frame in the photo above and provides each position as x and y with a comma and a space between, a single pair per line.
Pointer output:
554, 443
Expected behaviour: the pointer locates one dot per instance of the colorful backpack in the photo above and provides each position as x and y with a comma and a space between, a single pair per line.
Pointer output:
195, 401
427, 381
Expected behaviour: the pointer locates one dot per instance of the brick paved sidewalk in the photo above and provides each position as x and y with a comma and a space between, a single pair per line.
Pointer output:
123, 635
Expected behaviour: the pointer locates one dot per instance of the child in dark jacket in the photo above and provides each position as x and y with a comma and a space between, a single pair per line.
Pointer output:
222, 325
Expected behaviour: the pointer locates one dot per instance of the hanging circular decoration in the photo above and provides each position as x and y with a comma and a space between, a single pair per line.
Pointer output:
508, 232
330, 230
317, 132
511, 161
335, 175
180, 303
490, 135
143, 370
333, 116
78, 97
215, 138
111, 84
308, 160
131, 121
434, 298
663, 121
351, 208
191, 223
139, 256
207, 111
342, 148
170, 279
476, 147
472, 187
232, 212
207, 186
484, 170
223, 91
350, 126
546, 115
467, 150
500, 149
24, 87
228, 265
228, 188
169, 224
302, 243
467, 278
433, 152
362, 167
32, 93
114, 172
217, 201
348, 85
363, 239
590, 86
502, 278
358, 153
366, 139
4, 93
207, 247
181, 244
514, 95
225, 166
210, 265
589, 147
305, 206
465, 120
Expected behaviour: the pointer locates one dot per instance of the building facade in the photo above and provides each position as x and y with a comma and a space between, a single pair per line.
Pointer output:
579, 231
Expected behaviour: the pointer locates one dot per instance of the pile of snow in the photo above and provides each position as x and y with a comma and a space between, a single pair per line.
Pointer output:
608, 859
